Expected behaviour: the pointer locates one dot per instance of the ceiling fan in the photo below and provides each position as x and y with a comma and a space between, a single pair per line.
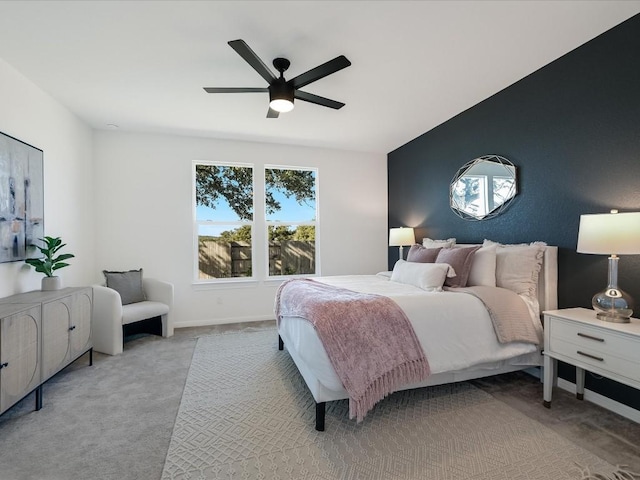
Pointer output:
281, 91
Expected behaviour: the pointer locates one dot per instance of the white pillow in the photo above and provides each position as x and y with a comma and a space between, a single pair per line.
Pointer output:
427, 276
518, 267
483, 267
429, 243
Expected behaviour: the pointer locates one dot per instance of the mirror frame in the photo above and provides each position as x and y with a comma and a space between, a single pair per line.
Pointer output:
510, 171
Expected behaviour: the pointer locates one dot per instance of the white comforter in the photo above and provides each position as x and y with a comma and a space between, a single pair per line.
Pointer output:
455, 329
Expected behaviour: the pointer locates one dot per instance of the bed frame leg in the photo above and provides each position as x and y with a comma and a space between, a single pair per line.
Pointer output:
320, 411
280, 343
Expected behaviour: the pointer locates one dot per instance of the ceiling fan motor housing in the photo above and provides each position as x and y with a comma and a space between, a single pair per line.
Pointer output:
280, 90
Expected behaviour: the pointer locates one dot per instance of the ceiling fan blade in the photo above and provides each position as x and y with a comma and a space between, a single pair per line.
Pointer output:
320, 71
252, 59
318, 100
272, 113
234, 90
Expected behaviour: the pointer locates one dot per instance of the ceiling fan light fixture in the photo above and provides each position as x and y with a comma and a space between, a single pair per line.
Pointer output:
281, 96
281, 105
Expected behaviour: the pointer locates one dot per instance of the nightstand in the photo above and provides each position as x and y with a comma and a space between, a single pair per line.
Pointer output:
575, 336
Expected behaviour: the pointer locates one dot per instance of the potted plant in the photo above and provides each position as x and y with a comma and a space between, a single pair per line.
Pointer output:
49, 263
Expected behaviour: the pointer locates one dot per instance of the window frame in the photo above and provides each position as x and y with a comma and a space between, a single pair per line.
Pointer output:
197, 223
267, 223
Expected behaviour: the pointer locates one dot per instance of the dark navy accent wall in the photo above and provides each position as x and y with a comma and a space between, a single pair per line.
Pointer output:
572, 129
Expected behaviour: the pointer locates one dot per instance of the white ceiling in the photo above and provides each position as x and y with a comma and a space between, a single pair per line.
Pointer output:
415, 64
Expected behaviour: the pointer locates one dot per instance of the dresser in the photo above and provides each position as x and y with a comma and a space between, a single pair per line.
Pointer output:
575, 336
40, 334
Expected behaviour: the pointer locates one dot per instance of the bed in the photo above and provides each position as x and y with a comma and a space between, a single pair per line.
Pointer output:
457, 334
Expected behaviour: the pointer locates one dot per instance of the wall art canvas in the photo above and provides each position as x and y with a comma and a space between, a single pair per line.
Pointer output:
21, 199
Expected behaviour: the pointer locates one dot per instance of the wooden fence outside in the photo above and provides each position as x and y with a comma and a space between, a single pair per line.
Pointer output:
219, 259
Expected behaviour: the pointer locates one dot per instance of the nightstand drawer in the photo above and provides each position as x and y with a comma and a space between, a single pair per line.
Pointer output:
596, 339
577, 337
602, 360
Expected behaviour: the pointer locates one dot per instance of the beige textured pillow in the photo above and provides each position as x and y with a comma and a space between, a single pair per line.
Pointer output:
427, 276
429, 243
518, 267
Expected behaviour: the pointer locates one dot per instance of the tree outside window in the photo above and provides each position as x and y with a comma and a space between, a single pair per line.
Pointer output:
225, 220
291, 220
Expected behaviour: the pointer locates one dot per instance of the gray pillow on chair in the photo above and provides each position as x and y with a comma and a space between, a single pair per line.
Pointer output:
127, 284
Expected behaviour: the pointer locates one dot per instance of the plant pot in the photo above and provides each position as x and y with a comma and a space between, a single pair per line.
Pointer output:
51, 283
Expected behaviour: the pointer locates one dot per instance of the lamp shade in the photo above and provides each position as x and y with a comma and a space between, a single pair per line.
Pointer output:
401, 236
609, 233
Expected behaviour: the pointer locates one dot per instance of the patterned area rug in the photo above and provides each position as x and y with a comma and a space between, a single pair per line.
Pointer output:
247, 414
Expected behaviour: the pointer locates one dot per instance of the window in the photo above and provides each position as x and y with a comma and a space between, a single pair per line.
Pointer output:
290, 204
224, 220
469, 195
504, 188
228, 232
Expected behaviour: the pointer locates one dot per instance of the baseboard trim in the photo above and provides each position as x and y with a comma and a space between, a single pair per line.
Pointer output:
222, 321
602, 401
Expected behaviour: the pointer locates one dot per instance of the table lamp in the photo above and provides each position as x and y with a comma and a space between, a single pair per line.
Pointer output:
398, 237
611, 234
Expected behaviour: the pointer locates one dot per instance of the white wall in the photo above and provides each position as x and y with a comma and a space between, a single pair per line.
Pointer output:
144, 215
123, 200
31, 115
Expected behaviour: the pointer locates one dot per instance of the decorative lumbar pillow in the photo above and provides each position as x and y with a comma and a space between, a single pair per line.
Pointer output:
460, 259
430, 243
427, 276
418, 253
128, 284
483, 267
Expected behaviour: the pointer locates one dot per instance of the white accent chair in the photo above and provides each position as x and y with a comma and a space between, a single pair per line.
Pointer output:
109, 315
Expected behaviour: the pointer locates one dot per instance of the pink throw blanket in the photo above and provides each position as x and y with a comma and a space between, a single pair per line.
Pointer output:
368, 338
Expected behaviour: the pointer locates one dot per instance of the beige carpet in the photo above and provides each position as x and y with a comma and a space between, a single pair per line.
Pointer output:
247, 414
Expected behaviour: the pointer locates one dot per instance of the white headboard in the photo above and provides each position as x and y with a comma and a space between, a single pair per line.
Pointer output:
548, 280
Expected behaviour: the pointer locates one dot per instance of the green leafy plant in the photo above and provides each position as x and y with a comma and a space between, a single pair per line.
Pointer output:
50, 263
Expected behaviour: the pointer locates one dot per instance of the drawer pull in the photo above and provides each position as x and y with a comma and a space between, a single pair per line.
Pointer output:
590, 337
2, 365
600, 359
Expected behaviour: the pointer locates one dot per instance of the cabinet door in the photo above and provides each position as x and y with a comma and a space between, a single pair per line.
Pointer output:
19, 355
80, 327
56, 318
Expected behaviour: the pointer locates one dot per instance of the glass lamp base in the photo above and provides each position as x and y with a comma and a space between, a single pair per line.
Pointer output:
613, 305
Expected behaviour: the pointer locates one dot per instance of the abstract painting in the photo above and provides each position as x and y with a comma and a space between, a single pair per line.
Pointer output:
21, 199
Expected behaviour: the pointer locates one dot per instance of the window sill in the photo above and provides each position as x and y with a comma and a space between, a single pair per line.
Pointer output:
225, 284
245, 283
278, 280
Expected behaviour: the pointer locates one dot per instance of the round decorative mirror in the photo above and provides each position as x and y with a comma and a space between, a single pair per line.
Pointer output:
483, 187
